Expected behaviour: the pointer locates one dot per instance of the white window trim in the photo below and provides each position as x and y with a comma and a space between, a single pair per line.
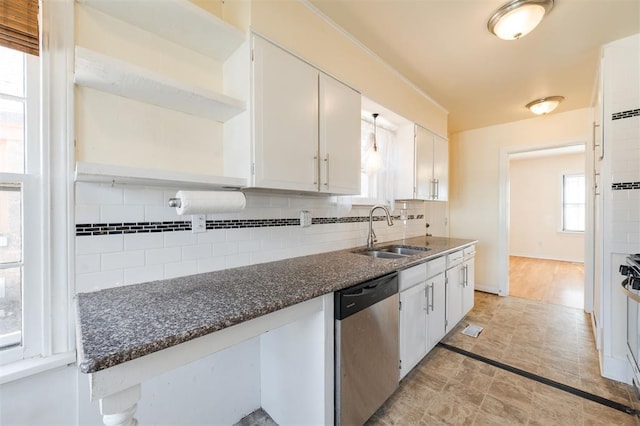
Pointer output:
561, 229
56, 337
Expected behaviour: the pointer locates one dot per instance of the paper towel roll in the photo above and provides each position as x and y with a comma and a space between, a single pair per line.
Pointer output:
199, 202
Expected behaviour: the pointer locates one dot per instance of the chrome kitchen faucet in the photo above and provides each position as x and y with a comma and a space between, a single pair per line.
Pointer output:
371, 238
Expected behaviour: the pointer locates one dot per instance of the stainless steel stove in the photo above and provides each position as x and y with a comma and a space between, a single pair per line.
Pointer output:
631, 287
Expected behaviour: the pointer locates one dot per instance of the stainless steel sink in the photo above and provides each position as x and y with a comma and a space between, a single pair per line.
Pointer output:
405, 250
382, 254
393, 252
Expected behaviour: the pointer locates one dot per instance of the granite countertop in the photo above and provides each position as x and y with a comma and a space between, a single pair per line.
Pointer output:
120, 324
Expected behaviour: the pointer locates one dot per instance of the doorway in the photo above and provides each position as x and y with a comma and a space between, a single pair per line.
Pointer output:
541, 248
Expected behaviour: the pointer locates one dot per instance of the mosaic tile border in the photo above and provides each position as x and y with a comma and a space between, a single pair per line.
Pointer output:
89, 229
625, 114
625, 185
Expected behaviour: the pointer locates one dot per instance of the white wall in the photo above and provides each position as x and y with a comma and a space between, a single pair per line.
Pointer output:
535, 203
475, 177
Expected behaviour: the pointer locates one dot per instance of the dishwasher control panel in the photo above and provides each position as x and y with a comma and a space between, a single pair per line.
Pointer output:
360, 296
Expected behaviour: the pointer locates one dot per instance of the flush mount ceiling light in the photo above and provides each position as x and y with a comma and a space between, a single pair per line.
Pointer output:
544, 105
518, 18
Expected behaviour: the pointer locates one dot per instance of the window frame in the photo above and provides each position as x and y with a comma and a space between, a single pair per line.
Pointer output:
32, 211
562, 228
53, 342
359, 200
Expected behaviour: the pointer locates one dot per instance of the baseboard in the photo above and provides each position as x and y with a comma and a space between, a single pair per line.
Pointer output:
488, 289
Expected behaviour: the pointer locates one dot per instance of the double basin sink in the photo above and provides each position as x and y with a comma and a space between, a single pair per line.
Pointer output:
393, 251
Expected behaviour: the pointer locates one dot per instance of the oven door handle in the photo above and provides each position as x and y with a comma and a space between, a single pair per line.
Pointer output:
625, 289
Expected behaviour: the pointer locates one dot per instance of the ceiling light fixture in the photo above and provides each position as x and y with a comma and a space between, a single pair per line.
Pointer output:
373, 162
544, 105
518, 18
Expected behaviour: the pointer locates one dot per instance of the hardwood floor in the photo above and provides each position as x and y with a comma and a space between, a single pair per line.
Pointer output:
548, 281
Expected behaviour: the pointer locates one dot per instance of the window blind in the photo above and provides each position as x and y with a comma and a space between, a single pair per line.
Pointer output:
19, 25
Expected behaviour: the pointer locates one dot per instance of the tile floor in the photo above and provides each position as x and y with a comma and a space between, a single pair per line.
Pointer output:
549, 340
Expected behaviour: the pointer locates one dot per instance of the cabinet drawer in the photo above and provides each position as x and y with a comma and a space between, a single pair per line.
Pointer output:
454, 258
436, 266
469, 251
411, 276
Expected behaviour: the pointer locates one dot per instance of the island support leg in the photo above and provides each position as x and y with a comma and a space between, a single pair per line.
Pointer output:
119, 409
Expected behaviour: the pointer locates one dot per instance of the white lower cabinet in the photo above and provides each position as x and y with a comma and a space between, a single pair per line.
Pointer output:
436, 297
413, 327
469, 282
422, 311
460, 285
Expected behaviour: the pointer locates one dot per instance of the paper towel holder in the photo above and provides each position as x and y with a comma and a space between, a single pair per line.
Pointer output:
175, 202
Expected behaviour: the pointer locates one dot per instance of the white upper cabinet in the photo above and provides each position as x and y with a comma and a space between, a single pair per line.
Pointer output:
285, 102
440, 191
306, 126
424, 165
339, 137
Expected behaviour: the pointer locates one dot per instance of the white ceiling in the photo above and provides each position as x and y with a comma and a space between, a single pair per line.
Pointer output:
445, 49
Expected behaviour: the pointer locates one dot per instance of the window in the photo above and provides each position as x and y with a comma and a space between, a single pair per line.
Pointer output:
20, 205
376, 187
573, 203
36, 189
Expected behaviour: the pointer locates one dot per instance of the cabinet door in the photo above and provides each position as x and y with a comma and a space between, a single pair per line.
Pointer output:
405, 155
441, 168
423, 163
435, 310
339, 137
469, 286
413, 327
454, 296
285, 101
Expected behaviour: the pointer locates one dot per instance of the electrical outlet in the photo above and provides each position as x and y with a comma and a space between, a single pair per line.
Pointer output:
305, 218
198, 223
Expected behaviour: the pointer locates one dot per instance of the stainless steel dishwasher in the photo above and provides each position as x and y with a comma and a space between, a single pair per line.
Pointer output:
366, 350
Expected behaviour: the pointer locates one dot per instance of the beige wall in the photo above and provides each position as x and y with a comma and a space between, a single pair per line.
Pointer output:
475, 170
297, 28
535, 208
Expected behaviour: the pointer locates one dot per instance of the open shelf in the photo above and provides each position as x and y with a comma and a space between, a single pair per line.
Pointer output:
179, 21
105, 173
110, 75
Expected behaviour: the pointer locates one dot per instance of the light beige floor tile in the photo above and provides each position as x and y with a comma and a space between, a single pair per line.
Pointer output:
511, 393
450, 410
499, 411
551, 409
473, 378
597, 414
